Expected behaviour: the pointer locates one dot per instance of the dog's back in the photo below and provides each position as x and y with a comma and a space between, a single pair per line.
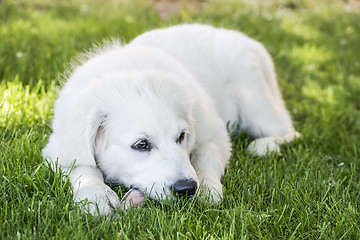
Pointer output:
236, 71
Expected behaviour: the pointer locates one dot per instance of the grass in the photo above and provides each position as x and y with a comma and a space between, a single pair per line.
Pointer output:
310, 191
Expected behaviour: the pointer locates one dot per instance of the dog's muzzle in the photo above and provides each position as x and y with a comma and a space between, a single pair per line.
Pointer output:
184, 188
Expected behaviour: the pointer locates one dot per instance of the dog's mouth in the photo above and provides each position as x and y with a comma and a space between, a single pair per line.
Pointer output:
133, 198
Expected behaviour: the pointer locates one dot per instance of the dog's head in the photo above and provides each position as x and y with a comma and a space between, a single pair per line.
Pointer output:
142, 133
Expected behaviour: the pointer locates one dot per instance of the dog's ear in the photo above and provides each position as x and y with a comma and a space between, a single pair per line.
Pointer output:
78, 141
191, 137
96, 133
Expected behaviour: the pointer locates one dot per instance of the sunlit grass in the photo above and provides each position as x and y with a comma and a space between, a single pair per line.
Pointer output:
325, 95
310, 56
25, 105
310, 191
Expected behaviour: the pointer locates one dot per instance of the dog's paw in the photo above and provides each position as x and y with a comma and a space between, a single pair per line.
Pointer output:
215, 195
262, 146
211, 193
98, 200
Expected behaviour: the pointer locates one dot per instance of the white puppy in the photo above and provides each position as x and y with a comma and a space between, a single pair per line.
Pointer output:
152, 115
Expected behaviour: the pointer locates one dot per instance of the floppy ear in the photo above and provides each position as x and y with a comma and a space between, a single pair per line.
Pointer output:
77, 139
191, 128
95, 133
191, 138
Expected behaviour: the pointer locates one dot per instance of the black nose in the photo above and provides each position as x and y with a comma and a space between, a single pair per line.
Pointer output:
184, 187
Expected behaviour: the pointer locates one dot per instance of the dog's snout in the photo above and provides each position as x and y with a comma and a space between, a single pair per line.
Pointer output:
184, 187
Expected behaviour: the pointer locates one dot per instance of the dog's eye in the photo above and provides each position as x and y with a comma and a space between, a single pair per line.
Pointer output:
181, 137
141, 145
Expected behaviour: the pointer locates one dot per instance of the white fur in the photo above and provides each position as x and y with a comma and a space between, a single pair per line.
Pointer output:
188, 77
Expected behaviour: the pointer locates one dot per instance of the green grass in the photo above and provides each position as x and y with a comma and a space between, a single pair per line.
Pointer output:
310, 191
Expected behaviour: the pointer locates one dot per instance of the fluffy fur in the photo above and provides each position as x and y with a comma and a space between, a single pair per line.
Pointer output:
185, 80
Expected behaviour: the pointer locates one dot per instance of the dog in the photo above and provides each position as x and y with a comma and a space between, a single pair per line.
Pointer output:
152, 115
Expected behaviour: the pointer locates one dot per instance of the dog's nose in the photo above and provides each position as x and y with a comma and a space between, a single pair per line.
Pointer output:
184, 187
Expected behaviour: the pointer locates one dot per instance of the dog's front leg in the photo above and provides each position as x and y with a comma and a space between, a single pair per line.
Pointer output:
209, 163
88, 184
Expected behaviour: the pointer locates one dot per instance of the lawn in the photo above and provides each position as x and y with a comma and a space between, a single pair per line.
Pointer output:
310, 191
